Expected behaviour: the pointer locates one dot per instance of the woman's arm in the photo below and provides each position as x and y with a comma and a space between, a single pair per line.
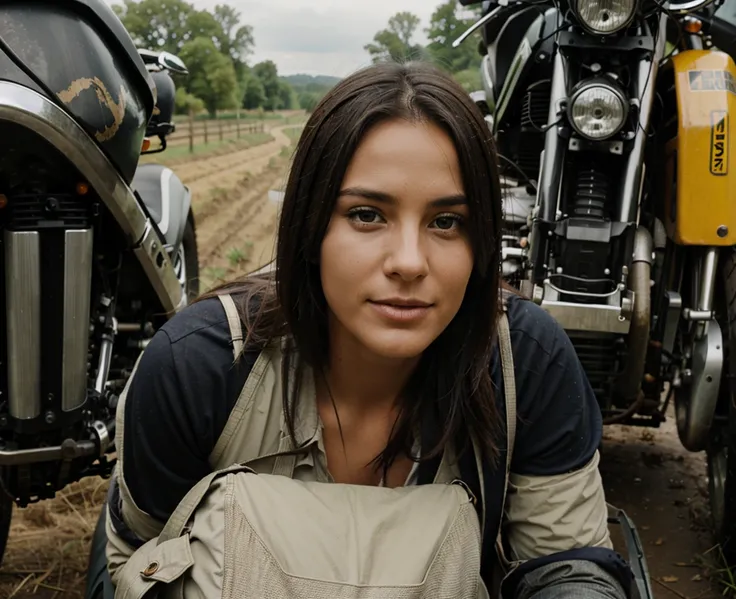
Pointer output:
556, 502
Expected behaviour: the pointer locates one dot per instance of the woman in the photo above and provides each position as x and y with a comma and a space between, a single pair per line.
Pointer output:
386, 293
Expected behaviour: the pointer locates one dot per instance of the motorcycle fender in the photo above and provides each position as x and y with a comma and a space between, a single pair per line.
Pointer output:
167, 199
701, 161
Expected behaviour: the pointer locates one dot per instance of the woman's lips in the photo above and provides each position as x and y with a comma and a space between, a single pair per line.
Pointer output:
400, 313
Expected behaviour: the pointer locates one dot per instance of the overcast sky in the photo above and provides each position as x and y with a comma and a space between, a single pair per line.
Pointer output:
319, 37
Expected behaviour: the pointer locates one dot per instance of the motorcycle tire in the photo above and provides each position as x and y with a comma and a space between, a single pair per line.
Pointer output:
722, 452
6, 515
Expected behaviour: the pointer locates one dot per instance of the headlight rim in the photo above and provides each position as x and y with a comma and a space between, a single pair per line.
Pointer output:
608, 85
632, 15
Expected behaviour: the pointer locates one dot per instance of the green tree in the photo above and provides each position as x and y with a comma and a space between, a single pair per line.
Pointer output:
395, 42
169, 24
286, 96
157, 24
445, 26
308, 101
186, 102
268, 74
254, 95
211, 74
469, 79
201, 23
234, 39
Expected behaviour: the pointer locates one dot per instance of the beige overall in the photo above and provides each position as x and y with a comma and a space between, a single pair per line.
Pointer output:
255, 436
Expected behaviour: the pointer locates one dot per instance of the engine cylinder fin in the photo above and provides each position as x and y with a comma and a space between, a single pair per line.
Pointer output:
534, 112
535, 107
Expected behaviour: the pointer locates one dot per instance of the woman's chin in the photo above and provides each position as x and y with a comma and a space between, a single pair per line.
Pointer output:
397, 345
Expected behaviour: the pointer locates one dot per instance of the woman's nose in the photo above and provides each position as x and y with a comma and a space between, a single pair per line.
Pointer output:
406, 256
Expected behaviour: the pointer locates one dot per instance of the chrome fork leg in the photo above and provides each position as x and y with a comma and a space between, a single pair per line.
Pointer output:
706, 291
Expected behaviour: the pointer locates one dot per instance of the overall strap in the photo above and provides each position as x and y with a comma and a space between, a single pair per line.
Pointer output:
509, 384
233, 320
491, 481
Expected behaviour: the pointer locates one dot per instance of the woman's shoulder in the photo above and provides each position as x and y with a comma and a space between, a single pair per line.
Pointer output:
200, 329
194, 350
533, 330
559, 418
196, 319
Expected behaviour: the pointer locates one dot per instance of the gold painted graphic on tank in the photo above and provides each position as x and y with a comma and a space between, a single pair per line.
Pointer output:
719, 142
117, 109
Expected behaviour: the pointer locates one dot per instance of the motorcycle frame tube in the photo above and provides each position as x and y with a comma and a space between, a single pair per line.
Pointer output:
77, 292
24, 106
629, 197
553, 158
23, 317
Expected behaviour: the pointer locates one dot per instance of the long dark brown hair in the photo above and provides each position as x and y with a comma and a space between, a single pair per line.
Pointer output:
452, 383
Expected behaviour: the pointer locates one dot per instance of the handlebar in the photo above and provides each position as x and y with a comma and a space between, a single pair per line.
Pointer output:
682, 7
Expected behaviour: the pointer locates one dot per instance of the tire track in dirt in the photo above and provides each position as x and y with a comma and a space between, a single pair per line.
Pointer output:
224, 171
240, 218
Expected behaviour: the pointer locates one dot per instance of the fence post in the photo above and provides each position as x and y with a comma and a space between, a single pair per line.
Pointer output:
206, 137
237, 123
219, 124
191, 131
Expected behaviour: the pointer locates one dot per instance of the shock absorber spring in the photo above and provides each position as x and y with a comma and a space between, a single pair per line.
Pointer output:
591, 193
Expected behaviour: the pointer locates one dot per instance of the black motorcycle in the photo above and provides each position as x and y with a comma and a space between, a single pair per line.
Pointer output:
96, 251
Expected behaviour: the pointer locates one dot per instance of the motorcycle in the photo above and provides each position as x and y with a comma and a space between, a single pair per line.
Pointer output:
98, 250
611, 120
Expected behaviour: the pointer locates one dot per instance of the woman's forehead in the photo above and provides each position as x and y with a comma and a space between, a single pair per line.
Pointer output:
401, 156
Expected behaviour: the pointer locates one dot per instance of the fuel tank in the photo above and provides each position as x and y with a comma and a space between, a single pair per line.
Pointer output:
86, 61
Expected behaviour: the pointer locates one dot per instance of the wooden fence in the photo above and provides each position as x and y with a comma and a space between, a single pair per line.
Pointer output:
196, 132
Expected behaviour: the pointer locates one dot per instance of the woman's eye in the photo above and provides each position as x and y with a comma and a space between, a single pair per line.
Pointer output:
365, 216
446, 222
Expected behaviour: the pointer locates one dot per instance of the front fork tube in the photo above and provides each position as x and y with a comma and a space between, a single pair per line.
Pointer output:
703, 291
630, 195
550, 174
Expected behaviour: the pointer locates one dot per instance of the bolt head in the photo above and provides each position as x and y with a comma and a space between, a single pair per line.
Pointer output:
722, 231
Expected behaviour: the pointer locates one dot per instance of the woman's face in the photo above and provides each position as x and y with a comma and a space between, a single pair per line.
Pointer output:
396, 258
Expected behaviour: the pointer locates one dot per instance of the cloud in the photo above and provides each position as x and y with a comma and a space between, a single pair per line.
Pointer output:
319, 36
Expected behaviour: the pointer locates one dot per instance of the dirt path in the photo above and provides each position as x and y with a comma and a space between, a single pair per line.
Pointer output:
663, 488
224, 172
236, 223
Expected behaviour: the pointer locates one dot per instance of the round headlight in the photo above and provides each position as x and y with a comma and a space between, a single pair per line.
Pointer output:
598, 111
605, 16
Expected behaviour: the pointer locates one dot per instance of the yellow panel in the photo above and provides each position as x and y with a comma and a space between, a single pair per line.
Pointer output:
701, 164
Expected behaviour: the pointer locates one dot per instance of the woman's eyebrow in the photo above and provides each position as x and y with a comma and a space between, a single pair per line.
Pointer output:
386, 198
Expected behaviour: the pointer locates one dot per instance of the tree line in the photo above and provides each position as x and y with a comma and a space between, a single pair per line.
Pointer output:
215, 46
397, 42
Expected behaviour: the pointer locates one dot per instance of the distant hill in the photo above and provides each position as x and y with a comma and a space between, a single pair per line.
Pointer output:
310, 89
301, 80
